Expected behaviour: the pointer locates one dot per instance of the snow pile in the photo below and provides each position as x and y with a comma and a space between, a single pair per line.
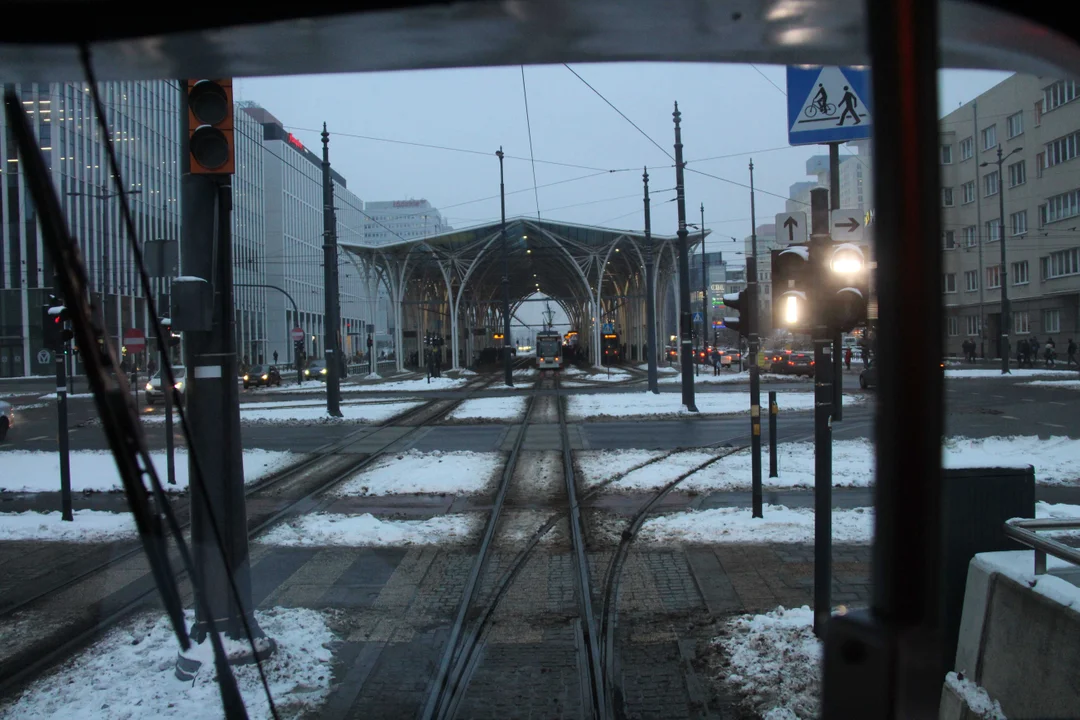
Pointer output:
129, 674
437, 472
493, 408
602, 376
326, 529
363, 413
1057, 384
1056, 459
373, 376
735, 525
88, 526
977, 699
95, 470
773, 662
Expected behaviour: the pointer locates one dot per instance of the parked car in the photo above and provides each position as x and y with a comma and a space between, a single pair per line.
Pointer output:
7, 418
262, 376
153, 388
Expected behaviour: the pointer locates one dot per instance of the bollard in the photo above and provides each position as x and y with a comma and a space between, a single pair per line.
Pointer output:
774, 409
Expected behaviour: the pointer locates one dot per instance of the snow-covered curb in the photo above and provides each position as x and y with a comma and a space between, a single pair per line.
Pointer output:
129, 674
87, 526
772, 662
497, 409
977, 699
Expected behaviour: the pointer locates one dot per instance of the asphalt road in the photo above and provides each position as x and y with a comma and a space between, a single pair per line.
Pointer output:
974, 408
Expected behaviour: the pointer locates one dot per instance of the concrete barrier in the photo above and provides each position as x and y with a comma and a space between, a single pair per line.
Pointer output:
1019, 639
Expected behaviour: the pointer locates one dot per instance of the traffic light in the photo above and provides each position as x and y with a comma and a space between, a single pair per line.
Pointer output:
847, 287
54, 324
738, 301
791, 287
211, 145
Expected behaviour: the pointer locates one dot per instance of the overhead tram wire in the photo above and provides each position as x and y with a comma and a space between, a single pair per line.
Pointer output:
532, 155
744, 185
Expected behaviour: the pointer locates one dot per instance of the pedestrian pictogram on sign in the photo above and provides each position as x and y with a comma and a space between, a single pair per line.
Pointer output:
828, 104
698, 317
297, 334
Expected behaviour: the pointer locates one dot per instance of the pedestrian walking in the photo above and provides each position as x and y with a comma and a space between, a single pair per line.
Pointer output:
847, 358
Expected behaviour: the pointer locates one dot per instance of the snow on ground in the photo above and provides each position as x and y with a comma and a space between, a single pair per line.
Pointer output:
70, 396
1014, 373
600, 465
417, 385
95, 470
277, 404
772, 662
32, 406
668, 404
726, 377
525, 372
325, 529
1056, 460
601, 376
977, 699
660, 369
1057, 384
517, 527
129, 674
1020, 566
493, 408
361, 413
88, 526
437, 472
735, 525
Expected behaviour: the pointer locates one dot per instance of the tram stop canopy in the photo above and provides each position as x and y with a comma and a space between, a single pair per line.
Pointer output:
596, 275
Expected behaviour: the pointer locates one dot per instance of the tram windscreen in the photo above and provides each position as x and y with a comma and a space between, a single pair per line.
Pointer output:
547, 347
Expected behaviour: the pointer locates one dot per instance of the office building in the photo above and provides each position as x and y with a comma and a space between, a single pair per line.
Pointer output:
856, 179
1035, 121
390, 221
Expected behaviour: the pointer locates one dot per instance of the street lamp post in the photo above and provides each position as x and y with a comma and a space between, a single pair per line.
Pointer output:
507, 365
1003, 275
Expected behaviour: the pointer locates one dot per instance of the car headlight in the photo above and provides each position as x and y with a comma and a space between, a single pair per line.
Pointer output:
263, 377
179, 385
307, 372
245, 378
323, 371
149, 387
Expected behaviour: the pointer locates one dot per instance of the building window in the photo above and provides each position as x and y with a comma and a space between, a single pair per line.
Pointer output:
969, 236
947, 197
950, 282
973, 325
989, 137
967, 148
1064, 206
1061, 150
1056, 95
993, 277
991, 184
1021, 325
946, 154
1051, 321
953, 326
1017, 174
1037, 113
968, 190
993, 230
1019, 222
1020, 274
1061, 264
950, 239
1040, 164
971, 280
1015, 124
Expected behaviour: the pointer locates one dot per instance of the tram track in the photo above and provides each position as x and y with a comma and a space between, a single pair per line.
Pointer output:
292, 490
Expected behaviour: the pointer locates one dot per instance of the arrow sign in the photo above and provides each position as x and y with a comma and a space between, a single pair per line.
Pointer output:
790, 228
852, 225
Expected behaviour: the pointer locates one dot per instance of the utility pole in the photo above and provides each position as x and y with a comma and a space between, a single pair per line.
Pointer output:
1003, 275
203, 309
650, 292
685, 333
756, 509
704, 287
508, 367
55, 330
838, 337
331, 314
823, 372
978, 228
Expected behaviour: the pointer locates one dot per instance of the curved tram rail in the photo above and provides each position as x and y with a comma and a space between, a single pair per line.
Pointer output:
290, 491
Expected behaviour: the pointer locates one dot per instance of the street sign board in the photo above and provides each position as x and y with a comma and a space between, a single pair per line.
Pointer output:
44, 356
828, 104
698, 317
608, 328
791, 228
134, 339
297, 334
847, 225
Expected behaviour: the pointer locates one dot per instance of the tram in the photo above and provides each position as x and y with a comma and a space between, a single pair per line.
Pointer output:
549, 350
611, 349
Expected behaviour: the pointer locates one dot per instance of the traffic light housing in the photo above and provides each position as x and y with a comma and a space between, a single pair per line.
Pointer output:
738, 301
847, 288
54, 317
211, 141
791, 287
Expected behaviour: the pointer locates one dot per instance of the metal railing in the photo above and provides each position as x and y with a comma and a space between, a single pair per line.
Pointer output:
1024, 532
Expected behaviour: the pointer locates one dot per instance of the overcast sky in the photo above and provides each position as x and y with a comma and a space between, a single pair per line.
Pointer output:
730, 113
728, 110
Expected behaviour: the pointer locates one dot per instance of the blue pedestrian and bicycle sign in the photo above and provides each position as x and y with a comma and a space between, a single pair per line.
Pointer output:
698, 317
608, 328
828, 104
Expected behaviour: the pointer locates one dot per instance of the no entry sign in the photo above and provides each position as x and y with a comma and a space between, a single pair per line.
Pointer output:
134, 339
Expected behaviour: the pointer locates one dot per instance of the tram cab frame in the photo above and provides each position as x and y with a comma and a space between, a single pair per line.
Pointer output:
549, 351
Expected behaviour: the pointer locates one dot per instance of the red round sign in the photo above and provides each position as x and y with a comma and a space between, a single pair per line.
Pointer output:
134, 339
297, 333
